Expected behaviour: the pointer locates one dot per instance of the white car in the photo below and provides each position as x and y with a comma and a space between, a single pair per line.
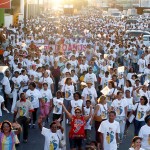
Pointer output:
136, 33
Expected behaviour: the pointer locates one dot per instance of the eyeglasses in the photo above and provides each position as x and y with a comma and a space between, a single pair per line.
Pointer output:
141, 99
77, 112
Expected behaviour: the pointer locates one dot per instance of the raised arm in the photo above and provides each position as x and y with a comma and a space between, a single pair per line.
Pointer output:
66, 111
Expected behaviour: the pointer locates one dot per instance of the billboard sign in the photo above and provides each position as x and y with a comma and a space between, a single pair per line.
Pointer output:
6, 4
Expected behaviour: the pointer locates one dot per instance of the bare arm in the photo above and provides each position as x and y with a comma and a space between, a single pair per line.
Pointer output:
66, 111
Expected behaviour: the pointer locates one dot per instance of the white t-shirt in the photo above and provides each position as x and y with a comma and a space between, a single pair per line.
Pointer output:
87, 112
83, 67
1, 101
102, 111
141, 63
51, 139
141, 111
74, 104
47, 80
104, 81
109, 131
134, 149
129, 103
90, 77
57, 107
119, 106
16, 82
89, 93
46, 95
145, 135
68, 90
33, 96
6, 83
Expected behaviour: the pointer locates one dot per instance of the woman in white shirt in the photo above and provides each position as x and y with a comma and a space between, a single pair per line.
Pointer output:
45, 101
136, 143
112, 92
33, 95
145, 134
68, 90
76, 102
129, 87
141, 110
101, 110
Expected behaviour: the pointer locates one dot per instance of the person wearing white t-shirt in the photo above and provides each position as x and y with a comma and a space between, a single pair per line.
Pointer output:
88, 125
76, 102
142, 64
147, 73
47, 79
52, 135
109, 130
130, 106
89, 93
142, 91
45, 101
6, 88
105, 79
119, 105
90, 77
142, 109
57, 108
1, 104
145, 134
33, 95
67, 68
16, 87
68, 90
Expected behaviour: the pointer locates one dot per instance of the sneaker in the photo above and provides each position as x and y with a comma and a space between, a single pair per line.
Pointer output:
33, 127
30, 125
25, 141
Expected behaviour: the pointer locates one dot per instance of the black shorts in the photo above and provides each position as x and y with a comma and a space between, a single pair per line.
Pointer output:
75, 142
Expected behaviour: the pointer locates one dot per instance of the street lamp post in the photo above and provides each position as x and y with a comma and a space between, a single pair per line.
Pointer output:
25, 13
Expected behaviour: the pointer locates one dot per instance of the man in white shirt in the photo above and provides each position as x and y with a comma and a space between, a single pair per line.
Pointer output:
109, 130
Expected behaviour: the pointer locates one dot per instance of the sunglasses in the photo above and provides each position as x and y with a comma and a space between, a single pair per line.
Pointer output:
77, 112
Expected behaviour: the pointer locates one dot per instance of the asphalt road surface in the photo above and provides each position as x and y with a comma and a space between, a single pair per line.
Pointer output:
36, 140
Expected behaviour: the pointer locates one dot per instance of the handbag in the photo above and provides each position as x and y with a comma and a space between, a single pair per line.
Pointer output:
98, 118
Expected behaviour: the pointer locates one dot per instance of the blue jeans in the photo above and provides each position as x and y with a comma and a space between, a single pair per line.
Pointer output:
137, 126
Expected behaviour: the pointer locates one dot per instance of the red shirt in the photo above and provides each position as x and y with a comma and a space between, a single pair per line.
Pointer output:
77, 127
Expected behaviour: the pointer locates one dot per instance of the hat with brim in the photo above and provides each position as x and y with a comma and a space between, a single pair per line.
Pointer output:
89, 82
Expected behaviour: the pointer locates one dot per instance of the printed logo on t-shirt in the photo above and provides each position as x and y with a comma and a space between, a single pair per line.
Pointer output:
53, 144
16, 85
31, 98
149, 139
78, 124
140, 114
110, 136
45, 98
68, 94
103, 114
22, 111
119, 110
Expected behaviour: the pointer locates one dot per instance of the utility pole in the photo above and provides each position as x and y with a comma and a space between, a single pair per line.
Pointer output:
25, 13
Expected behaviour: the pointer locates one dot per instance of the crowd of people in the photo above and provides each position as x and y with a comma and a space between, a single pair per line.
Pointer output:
102, 87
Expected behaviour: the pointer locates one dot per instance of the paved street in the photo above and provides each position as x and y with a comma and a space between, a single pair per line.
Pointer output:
36, 140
